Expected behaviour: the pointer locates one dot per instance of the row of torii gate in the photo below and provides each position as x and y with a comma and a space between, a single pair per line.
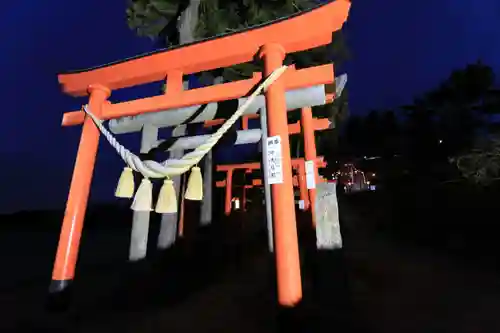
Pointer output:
285, 88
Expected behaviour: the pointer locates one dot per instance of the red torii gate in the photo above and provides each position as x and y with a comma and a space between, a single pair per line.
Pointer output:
258, 183
270, 42
299, 181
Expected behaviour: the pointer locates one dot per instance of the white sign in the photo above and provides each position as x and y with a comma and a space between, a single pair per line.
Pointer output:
310, 174
274, 160
302, 205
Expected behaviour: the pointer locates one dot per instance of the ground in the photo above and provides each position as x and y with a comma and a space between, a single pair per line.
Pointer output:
377, 283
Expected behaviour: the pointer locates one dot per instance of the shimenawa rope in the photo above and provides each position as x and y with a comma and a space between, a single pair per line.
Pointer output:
174, 167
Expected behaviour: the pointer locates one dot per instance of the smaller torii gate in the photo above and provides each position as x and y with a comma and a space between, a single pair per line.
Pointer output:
255, 183
298, 164
298, 181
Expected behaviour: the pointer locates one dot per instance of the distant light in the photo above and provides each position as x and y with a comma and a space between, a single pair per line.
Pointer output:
440, 141
373, 174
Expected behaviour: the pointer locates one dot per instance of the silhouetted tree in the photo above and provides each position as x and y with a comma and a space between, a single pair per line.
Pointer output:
372, 133
468, 128
445, 122
161, 20
391, 135
167, 21
353, 138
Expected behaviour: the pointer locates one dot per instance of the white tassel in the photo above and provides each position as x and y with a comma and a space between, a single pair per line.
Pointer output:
143, 199
195, 185
167, 200
125, 187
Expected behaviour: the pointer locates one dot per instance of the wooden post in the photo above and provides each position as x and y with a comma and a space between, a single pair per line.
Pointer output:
206, 204
169, 222
180, 231
285, 228
301, 179
267, 187
140, 220
244, 122
310, 152
245, 187
72, 225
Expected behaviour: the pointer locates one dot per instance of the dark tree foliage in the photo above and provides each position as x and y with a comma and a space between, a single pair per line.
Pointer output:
454, 122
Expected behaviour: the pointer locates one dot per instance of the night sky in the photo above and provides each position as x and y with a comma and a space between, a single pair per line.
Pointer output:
398, 51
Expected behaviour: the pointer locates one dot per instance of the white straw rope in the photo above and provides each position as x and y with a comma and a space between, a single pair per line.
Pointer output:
174, 167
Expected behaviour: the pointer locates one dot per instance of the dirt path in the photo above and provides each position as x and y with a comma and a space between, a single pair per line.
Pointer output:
391, 288
233, 304
408, 289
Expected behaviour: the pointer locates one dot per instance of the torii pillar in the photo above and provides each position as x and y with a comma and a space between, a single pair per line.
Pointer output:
283, 205
67, 250
310, 153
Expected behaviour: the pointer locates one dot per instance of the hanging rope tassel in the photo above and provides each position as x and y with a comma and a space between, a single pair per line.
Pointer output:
167, 200
194, 189
126, 186
143, 200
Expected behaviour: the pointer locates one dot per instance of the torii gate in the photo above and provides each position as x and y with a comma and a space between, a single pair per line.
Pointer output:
298, 181
271, 42
258, 183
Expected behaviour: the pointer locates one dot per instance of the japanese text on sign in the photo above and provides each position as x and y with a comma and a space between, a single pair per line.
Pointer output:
274, 160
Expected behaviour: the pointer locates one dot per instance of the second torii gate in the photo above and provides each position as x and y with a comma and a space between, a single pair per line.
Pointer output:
229, 169
298, 181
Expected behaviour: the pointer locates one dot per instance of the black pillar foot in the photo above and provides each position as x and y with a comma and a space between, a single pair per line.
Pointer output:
59, 297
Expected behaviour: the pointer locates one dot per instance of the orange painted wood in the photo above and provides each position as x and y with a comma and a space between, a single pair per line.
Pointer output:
297, 33
216, 122
310, 150
258, 182
319, 125
76, 205
293, 79
256, 165
286, 248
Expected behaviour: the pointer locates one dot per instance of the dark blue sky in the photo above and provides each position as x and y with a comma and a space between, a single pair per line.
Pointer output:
398, 51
